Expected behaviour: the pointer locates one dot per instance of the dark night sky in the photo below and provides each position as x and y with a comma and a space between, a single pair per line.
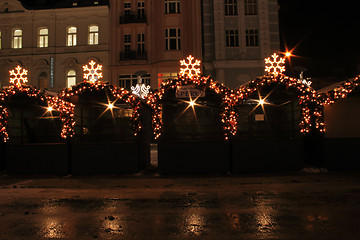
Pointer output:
325, 35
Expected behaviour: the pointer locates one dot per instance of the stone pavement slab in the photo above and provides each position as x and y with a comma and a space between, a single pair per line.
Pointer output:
292, 206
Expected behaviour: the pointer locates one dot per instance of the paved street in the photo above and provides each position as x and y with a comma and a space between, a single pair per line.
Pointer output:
296, 206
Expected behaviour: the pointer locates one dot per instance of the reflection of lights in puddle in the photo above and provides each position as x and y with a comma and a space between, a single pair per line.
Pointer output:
114, 225
53, 229
194, 224
234, 220
264, 215
264, 221
312, 221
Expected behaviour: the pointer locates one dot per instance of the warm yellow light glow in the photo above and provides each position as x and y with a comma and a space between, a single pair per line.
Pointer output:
192, 103
19, 77
50, 109
192, 69
110, 106
275, 65
93, 73
261, 102
288, 54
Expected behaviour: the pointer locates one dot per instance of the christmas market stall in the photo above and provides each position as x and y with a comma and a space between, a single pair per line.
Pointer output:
341, 113
107, 127
30, 122
274, 113
190, 123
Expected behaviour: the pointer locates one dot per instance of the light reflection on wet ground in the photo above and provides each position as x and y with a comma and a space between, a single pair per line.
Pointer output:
197, 210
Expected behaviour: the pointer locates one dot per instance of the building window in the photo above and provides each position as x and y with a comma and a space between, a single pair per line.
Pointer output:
163, 77
172, 6
172, 38
141, 10
71, 79
127, 81
230, 7
141, 43
232, 38
71, 36
127, 43
127, 9
250, 7
93, 35
252, 37
17, 38
43, 38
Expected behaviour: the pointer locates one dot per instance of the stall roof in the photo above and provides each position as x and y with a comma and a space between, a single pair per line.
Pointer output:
330, 87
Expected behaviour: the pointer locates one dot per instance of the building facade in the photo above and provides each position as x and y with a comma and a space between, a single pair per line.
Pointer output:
148, 38
52, 43
237, 36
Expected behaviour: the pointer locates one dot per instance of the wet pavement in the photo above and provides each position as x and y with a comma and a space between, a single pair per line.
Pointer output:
295, 206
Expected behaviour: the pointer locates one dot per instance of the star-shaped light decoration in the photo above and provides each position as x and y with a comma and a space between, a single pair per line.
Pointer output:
93, 74
190, 69
20, 76
275, 65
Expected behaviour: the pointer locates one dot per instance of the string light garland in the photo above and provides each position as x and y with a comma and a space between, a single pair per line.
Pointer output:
342, 91
310, 101
190, 75
228, 117
36, 96
311, 109
4, 119
89, 86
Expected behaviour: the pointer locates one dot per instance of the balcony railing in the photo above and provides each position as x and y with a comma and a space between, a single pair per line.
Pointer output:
133, 55
133, 17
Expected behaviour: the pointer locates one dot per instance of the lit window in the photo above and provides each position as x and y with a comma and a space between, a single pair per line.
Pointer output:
230, 7
172, 38
71, 36
163, 77
252, 37
232, 38
250, 7
127, 81
71, 79
172, 6
43, 37
93, 35
17, 38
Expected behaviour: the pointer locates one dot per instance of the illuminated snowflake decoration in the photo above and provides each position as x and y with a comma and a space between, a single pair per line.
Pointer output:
190, 69
275, 65
20, 76
93, 74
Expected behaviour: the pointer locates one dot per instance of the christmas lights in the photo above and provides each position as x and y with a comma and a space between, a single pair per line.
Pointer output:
311, 108
275, 65
98, 86
19, 77
228, 117
93, 73
190, 69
